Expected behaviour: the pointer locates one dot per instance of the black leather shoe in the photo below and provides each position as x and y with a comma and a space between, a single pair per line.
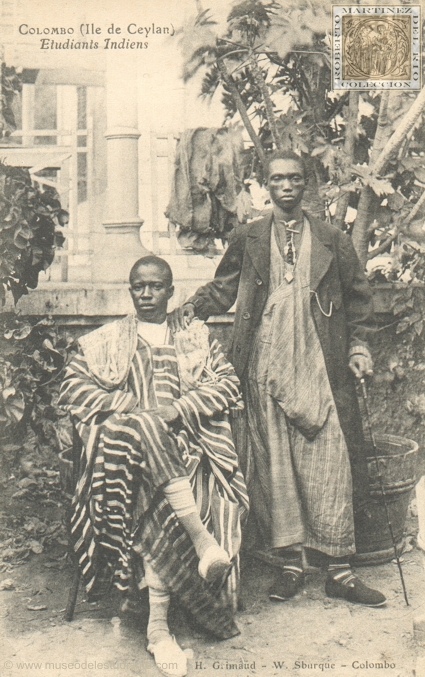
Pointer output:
287, 584
348, 586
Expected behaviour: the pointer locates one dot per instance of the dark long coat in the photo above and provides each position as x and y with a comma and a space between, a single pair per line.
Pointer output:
335, 276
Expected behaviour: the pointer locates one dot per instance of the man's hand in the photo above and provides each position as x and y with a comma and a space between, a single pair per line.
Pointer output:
361, 365
181, 317
168, 413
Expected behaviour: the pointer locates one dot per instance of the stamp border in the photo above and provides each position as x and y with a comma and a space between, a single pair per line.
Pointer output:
338, 83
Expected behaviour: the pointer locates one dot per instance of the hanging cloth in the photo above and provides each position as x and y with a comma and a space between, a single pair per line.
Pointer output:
292, 365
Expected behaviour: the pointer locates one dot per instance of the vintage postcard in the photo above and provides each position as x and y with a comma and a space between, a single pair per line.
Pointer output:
212, 271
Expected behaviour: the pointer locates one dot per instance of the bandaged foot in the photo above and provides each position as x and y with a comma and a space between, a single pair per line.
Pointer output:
159, 601
170, 659
214, 564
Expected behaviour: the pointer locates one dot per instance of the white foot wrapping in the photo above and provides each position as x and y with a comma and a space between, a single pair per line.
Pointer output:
214, 563
170, 659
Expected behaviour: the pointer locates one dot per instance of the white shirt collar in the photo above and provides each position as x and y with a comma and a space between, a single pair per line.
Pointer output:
154, 334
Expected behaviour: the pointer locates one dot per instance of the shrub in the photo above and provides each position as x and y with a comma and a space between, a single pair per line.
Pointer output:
33, 354
29, 235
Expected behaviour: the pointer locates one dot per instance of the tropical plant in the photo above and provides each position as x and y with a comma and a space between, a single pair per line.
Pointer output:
29, 235
11, 85
33, 354
272, 62
32, 351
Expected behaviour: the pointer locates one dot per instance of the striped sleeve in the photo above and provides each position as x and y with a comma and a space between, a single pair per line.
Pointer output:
87, 401
217, 393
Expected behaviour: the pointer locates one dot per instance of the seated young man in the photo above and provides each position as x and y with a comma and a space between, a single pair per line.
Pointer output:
160, 495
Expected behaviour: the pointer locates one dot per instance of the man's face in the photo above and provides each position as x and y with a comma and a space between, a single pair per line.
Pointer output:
286, 183
150, 291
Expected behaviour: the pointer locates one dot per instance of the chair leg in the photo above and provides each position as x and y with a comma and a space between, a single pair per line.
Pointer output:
72, 595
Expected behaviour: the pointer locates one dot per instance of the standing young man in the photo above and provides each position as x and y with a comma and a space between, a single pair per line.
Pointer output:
303, 311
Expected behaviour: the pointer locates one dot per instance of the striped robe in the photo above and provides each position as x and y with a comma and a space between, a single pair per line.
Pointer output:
120, 514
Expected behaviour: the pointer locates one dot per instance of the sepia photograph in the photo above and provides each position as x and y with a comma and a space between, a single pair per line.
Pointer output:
212, 338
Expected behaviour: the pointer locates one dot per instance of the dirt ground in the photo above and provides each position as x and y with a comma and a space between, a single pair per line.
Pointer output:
307, 636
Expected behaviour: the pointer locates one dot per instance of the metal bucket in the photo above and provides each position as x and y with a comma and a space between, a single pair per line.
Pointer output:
397, 460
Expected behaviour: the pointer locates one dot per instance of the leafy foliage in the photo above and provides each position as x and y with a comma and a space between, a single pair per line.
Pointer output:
32, 356
29, 221
272, 62
33, 429
258, 44
11, 85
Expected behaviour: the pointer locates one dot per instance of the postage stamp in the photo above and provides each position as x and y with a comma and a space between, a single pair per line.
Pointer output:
376, 47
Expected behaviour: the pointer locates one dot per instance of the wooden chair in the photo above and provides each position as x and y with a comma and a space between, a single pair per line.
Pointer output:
69, 466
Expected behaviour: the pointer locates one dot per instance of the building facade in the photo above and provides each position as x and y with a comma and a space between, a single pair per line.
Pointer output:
101, 126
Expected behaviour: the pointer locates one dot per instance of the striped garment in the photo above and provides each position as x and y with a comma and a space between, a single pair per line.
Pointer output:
120, 514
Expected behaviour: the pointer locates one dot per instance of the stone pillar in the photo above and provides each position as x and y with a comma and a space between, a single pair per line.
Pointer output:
121, 244
28, 98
